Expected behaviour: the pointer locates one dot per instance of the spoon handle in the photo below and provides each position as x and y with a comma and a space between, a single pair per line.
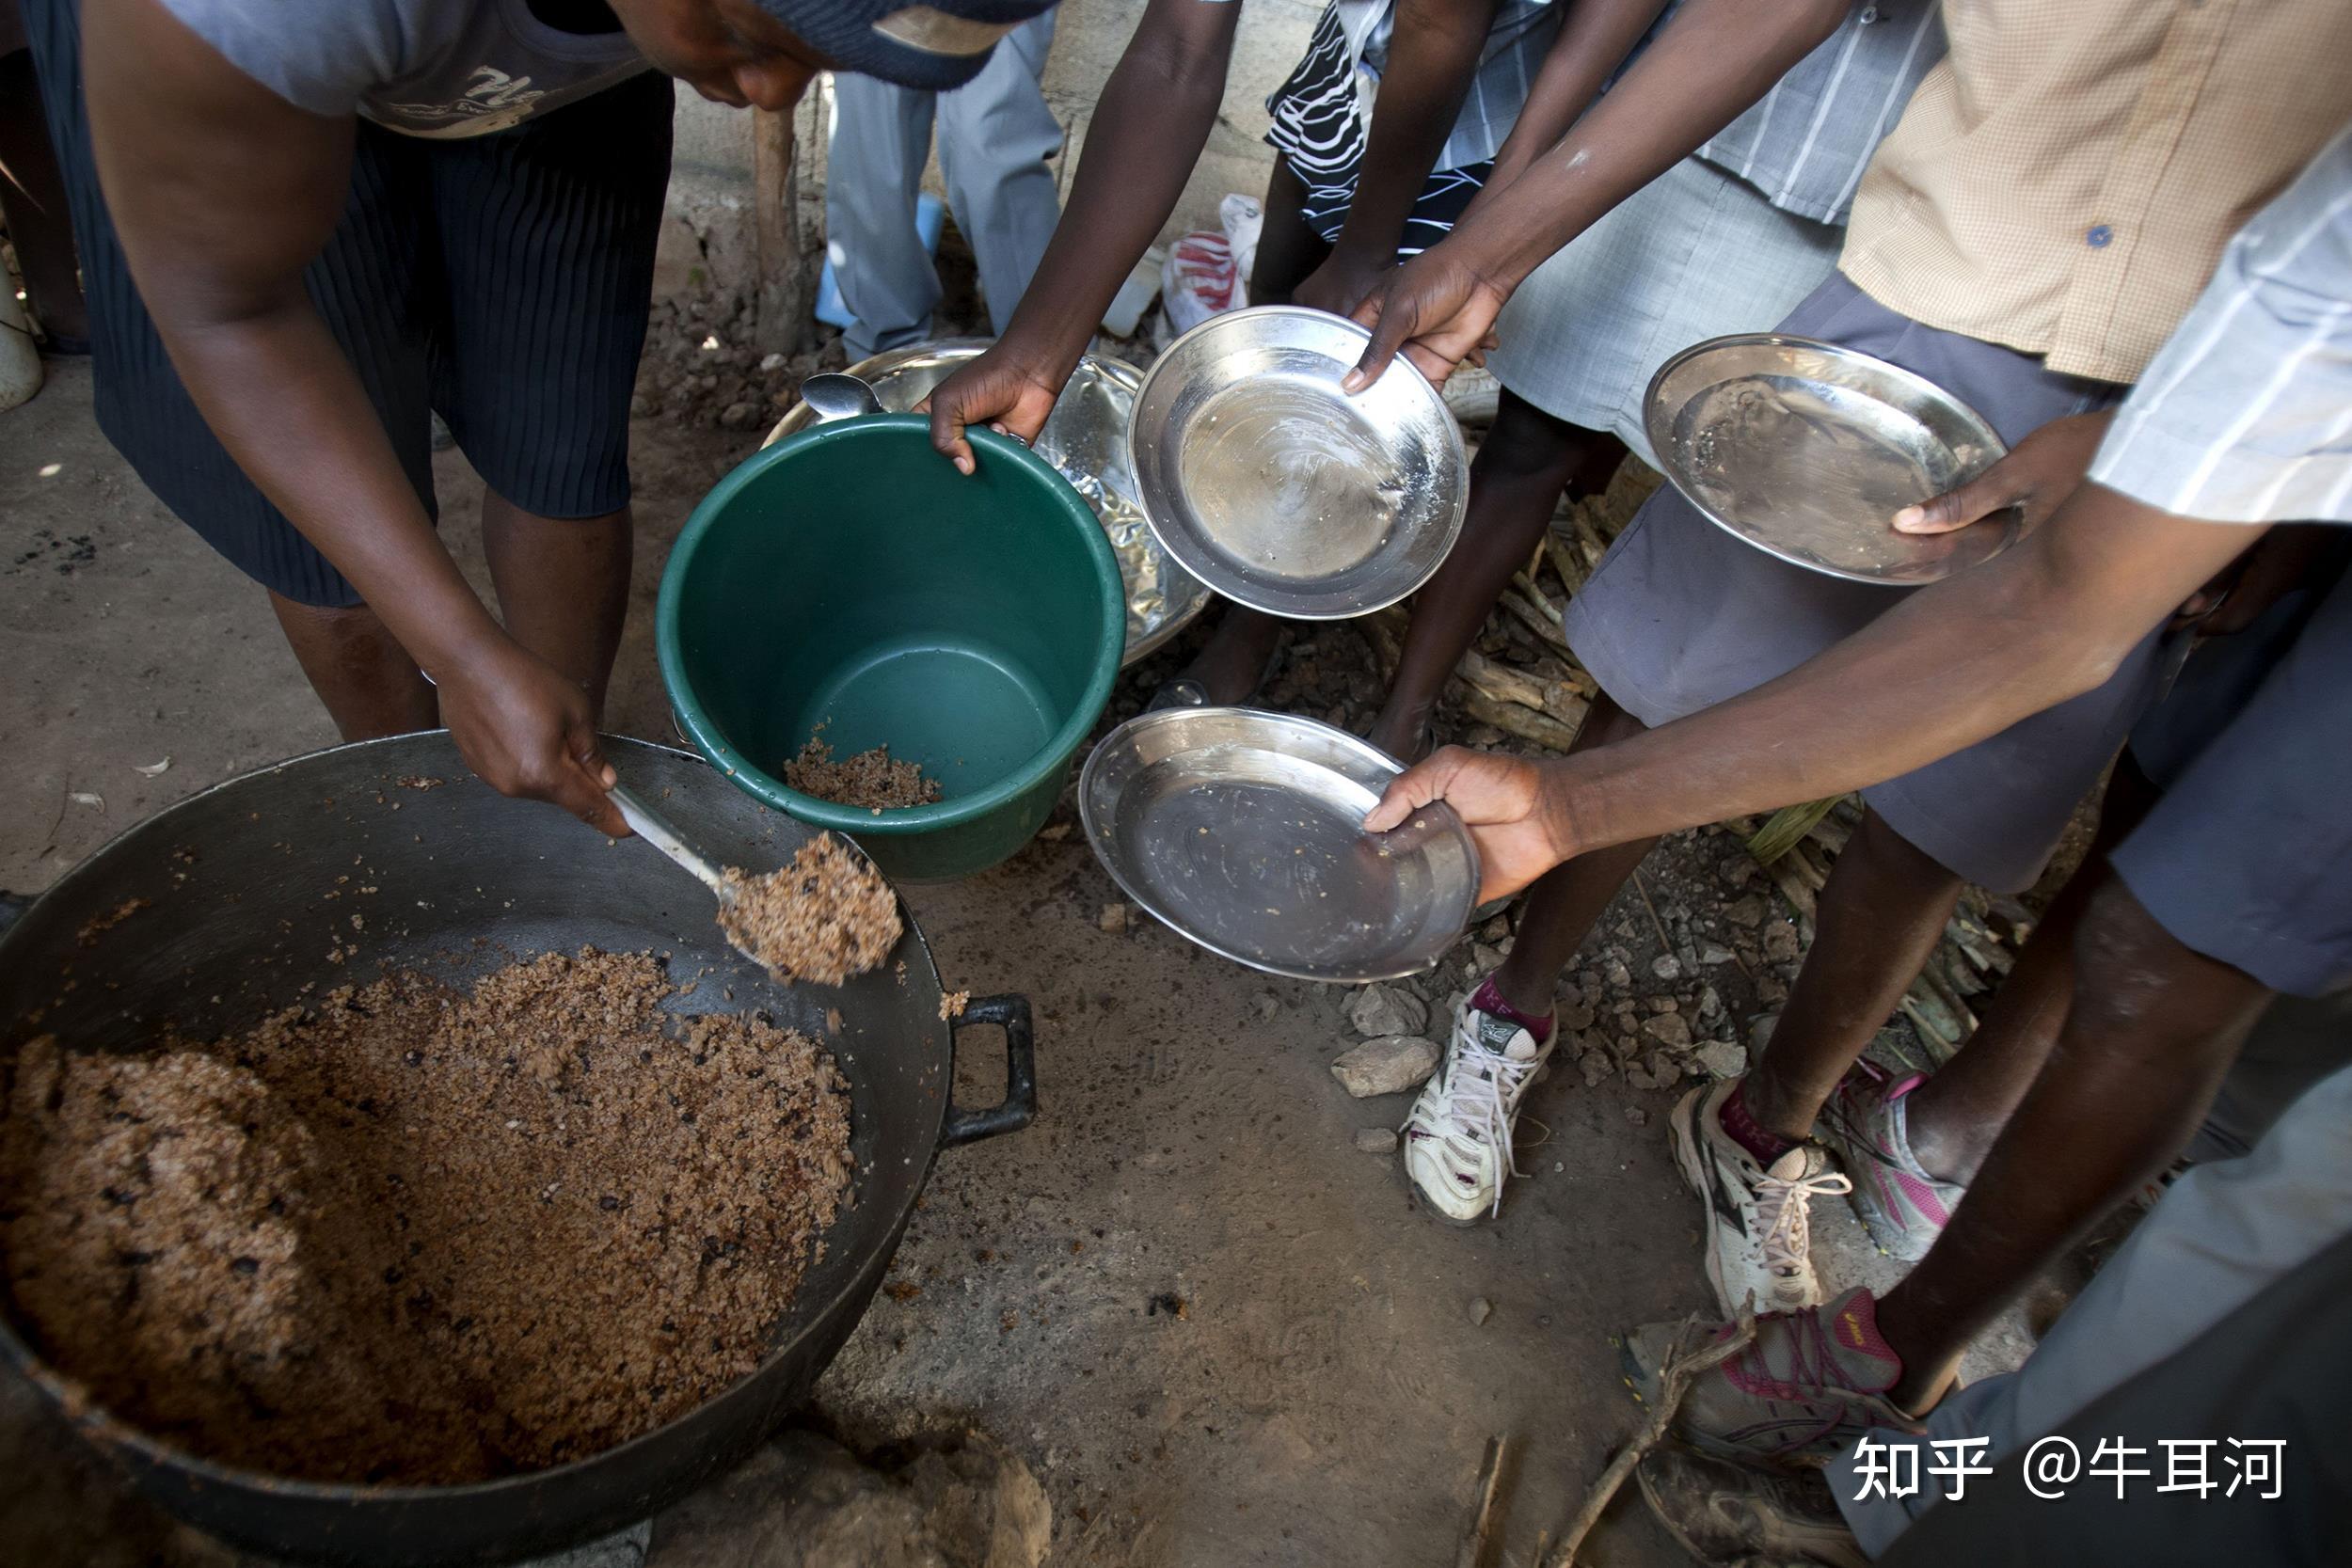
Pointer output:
648, 825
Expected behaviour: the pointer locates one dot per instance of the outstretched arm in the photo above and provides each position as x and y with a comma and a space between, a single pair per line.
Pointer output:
1149, 128
1950, 666
1433, 56
1714, 59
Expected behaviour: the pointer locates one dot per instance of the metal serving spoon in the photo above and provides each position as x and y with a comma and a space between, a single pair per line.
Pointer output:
655, 830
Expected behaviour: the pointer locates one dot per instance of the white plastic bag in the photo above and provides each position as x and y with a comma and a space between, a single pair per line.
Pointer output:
1208, 272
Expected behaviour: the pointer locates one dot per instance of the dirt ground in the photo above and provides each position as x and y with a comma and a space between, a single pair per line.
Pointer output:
1213, 1330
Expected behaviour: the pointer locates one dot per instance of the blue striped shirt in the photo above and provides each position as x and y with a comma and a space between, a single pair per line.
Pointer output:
2244, 415
1805, 143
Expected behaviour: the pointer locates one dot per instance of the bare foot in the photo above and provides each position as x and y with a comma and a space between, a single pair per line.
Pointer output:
1233, 663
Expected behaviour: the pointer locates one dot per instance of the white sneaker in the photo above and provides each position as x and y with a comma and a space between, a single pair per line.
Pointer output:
1457, 1140
1759, 1233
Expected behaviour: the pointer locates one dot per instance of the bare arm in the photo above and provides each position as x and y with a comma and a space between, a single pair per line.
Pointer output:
1433, 56
1594, 38
1713, 60
1153, 119
223, 193
1947, 668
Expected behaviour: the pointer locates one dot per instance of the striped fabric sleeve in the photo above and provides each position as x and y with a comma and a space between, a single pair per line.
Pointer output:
2246, 415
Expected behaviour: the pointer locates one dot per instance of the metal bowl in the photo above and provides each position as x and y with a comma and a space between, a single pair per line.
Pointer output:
1085, 438
1808, 450
1278, 490
1243, 830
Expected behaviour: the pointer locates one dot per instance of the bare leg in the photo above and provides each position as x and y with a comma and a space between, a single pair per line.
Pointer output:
1527, 459
563, 586
1564, 904
1229, 665
33, 193
1954, 1118
369, 684
1879, 918
2153, 1029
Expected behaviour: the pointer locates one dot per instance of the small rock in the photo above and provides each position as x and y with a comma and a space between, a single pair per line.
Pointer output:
1748, 911
1723, 1058
1376, 1140
1389, 1065
1480, 1310
1486, 960
1618, 976
1671, 1030
1666, 967
737, 416
1711, 1003
1114, 919
1575, 1017
1771, 989
1267, 1003
772, 362
1738, 870
1779, 941
1663, 1004
1497, 929
1595, 1066
1381, 1010
1638, 1117
1712, 953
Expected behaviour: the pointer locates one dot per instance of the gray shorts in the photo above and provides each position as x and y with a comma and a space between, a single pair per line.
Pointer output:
1696, 253
1680, 616
2248, 856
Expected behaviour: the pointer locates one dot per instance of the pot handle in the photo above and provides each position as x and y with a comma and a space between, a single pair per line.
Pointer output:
1019, 1107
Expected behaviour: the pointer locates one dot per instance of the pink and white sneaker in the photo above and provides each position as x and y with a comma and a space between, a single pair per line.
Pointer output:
1865, 1126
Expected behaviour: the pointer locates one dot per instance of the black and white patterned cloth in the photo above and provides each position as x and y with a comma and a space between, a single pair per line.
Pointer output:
1323, 111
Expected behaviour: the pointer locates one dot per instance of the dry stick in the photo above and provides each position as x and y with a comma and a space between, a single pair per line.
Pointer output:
1482, 1520
1556, 698
1665, 944
1511, 718
1541, 624
1570, 571
1679, 1371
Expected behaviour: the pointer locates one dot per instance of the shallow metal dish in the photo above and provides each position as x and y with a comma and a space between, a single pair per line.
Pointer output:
1243, 830
1278, 490
1808, 450
1085, 438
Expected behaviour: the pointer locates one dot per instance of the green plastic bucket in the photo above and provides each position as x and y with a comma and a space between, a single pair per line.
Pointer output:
849, 576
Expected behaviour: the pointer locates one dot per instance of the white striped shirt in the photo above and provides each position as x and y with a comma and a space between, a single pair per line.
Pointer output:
1805, 143
2244, 415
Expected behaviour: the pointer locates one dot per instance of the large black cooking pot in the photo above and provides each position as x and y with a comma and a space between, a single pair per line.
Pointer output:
253, 884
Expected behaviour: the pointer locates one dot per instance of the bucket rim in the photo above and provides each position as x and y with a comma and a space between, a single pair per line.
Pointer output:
902, 821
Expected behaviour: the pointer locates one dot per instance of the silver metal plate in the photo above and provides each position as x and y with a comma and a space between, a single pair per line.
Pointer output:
1243, 830
1085, 438
1279, 491
1808, 450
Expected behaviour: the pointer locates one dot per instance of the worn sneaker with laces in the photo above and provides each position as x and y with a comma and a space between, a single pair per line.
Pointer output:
1810, 1384
1865, 1127
1759, 1232
1726, 1514
1457, 1139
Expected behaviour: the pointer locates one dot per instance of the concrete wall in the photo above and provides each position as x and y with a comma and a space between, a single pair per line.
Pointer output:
707, 241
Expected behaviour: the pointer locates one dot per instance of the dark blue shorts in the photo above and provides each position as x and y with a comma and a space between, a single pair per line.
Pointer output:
502, 280
2247, 857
